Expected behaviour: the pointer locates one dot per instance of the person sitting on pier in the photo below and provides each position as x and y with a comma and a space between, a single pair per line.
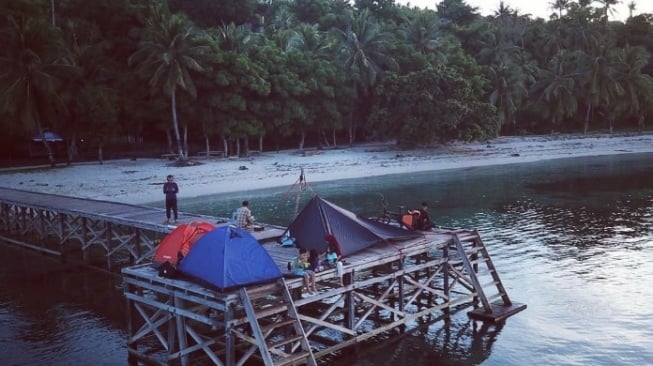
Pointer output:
421, 219
244, 216
314, 260
300, 267
332, 255
333, 246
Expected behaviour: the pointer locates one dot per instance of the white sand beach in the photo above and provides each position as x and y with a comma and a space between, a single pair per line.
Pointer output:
139, 181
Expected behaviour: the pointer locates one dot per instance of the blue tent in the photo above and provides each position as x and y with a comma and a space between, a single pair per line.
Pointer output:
228, 257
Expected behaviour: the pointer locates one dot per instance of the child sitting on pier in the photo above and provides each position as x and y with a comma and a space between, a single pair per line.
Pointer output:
334, 256
314, 260
300, 267
333, 249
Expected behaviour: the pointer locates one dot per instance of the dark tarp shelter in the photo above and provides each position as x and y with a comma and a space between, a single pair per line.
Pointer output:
228, 257
354, 233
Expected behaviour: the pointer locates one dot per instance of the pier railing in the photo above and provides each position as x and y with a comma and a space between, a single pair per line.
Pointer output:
115, 233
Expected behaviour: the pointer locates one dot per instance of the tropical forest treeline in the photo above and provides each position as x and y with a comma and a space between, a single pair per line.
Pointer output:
236, 75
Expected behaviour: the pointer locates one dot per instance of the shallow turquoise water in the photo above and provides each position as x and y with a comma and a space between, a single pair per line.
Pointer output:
572, 238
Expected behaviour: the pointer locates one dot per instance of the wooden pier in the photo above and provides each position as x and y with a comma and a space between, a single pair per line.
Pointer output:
178, 321
122, 233
387, 286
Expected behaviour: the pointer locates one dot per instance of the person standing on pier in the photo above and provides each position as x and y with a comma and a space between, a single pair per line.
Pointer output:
170, 189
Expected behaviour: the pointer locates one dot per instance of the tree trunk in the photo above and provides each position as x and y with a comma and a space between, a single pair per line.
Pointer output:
350, 128
207, 145
334, 138
48, 148
325, 138
175, 124
238, 147
302, 137
170, 149
100, 154
260, 143
351, 133
586, 126
246, 146
319, 139
186, 140
553, 125
640, 123
225, 146
72, 149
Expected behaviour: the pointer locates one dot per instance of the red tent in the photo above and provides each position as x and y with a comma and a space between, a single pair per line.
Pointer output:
180, 240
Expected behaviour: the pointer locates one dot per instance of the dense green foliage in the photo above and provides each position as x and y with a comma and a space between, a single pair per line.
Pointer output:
245, 74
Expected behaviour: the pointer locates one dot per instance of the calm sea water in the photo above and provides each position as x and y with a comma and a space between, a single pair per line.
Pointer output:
572, 238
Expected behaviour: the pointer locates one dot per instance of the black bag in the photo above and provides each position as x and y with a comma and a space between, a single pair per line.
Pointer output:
167, 270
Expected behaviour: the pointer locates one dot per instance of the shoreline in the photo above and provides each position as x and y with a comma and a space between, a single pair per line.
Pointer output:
140, 181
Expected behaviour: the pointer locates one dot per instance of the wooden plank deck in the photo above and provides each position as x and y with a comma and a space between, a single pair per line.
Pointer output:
53, 223
366, 259
138, 216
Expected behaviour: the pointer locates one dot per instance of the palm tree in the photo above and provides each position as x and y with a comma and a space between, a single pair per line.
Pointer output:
511, 25
559, 5
169, 50
510, 84
363, 51
33, 63
233, 42
550, 42
555, 87
600, 86
54, 22
284, 18
637, 86
631, 8
606, 7
422, 31
313, 61
583, 32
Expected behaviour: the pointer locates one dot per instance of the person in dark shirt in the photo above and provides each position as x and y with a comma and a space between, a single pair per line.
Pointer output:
170, 189
422, 221
314, 260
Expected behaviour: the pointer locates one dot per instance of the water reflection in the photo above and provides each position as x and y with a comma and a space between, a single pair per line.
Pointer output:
458, 341
54, 313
